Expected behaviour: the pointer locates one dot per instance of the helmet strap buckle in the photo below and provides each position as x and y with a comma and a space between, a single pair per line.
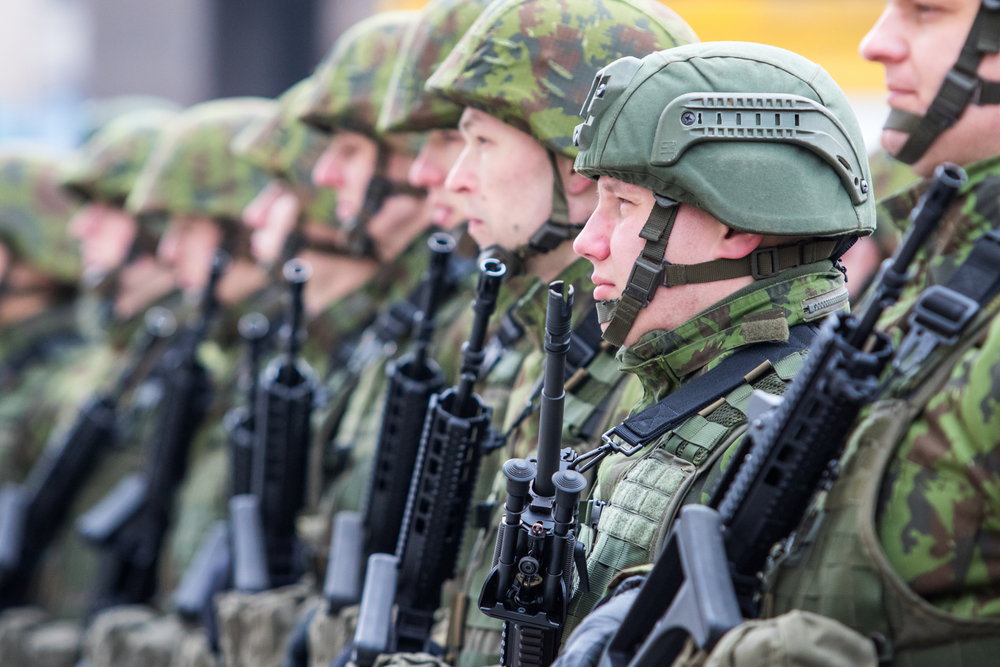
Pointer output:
645, 278
772, 253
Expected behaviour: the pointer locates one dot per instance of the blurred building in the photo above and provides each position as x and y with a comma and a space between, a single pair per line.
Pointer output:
57, 54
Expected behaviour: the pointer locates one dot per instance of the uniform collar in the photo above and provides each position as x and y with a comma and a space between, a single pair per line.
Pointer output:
664, 360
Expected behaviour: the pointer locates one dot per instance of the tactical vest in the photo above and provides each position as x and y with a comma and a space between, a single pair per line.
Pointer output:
649, 491
838, 568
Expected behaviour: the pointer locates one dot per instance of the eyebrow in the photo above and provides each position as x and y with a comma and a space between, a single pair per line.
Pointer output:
465, 124
616, 187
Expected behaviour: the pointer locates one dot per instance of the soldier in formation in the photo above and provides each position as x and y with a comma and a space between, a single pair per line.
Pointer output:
698, 198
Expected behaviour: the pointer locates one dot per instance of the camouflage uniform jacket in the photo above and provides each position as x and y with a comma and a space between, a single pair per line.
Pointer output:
640, 496
907, 538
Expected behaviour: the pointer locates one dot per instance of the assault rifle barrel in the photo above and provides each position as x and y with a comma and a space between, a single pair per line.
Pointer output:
557, 337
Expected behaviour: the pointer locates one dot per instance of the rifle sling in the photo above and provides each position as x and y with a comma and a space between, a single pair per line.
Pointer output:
651, 423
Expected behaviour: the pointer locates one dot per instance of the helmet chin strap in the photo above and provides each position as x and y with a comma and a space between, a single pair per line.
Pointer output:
553, 233
650, 270
379, 189
961, 87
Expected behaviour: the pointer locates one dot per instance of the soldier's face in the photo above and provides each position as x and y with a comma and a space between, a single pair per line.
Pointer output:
345, 167
105, 234
918, 41
506, 179
437, 156
271, 215
611, 242
187, 247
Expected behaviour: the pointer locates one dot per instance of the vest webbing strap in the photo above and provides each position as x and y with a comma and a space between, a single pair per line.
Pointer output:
960, 88
675, 409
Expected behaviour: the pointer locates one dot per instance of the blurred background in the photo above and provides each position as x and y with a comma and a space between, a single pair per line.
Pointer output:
61, 60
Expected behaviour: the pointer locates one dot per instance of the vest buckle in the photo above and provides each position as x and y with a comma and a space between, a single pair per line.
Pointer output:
938, 318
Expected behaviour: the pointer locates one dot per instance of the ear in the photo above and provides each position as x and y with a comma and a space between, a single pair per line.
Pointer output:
577, 184
734, 244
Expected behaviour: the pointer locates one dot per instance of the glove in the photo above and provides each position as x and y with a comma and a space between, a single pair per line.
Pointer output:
587, 642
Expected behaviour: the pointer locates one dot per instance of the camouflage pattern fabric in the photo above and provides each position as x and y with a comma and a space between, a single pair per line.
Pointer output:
111, 160
34, 212
889, 177
351, 82
935, 510
643, 493
191, 170
253, 628
408, 107
289, 149
531, 63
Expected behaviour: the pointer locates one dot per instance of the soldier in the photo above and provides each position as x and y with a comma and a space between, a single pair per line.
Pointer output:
892, 563
525, 204
121, 272
898, 565
193, 178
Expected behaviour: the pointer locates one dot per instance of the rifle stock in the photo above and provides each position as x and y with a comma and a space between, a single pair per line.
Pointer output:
530, 583
130, 551
45, 498
787, 454
440, 494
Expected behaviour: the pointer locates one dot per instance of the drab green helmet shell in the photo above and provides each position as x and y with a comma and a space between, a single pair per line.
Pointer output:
714, 125
192, 170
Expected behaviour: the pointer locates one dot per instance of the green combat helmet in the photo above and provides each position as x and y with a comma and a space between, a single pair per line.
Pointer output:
192, 171
702, 125
409, 107
530, 64
34, 213
110, 161
351, 85
289, 149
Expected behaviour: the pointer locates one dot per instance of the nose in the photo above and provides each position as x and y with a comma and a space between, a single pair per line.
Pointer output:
594, 241
255, 213
328, 172
425, 172
462, 177
884, 43
82, 223
168, 249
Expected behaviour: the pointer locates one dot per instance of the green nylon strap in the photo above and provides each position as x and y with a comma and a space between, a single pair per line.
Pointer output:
904, 121
606, 310
560, 207
768, 261
642, 283
961, 87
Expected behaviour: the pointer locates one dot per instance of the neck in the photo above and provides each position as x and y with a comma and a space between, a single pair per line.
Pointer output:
402, 235
334, 277
548, 266
241, 279
140, 283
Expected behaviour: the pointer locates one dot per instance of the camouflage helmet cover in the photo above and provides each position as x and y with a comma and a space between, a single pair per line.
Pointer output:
35, 212
409, 107
109, 163
192, 171
352, 81
530, 63
742, 156
289, 149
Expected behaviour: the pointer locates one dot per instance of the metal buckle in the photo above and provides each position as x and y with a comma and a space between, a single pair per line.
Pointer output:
643, 281
755, 262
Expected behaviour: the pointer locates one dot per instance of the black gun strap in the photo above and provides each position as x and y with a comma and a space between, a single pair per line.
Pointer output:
651, 423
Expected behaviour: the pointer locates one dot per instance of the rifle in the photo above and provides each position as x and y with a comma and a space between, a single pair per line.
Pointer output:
209, 572
706, 578
440, 494
45, 497
282, 435
129, 524
413, 379
530, 583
